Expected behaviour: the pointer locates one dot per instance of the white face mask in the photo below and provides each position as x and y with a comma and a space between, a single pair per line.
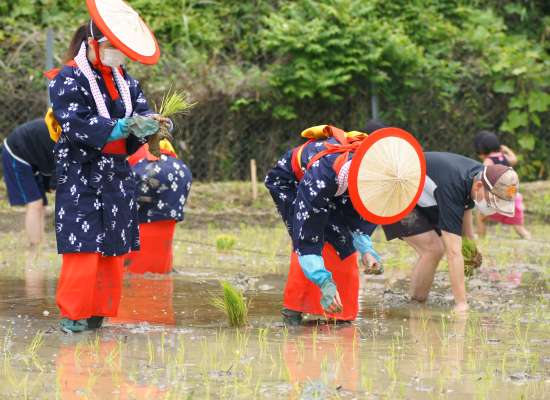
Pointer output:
113, 58
484, 207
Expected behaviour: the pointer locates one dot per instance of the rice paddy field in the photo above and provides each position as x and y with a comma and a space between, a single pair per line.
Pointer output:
170, 342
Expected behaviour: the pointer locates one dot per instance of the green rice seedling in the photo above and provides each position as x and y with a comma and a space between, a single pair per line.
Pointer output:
7, 340
36, 343
232, 303
109, 359
315, 343
92, 378
472, 257
151, 349
534, 363
60, 370
151, 386
173, 103
285, 334
225, 243
368, 384
402, 385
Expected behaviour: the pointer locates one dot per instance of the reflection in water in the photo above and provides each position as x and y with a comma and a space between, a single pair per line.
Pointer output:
394, 349
95, 371
146, 299
323, 358
437, 335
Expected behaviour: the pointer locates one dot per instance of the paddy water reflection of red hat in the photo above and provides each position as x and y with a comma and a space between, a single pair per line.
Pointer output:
124, 28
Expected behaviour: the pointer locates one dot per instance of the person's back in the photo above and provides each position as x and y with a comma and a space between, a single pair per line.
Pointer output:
29, 172
32, 143
447, 189
162, 188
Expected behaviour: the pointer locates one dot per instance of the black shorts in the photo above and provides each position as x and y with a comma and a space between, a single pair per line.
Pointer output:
413, 224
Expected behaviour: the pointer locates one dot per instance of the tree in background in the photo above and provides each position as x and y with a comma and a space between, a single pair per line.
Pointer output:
436, 63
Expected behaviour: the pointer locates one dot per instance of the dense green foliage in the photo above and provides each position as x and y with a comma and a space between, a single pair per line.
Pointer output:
443, 56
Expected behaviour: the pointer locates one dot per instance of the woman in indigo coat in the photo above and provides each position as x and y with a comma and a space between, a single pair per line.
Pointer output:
102, 117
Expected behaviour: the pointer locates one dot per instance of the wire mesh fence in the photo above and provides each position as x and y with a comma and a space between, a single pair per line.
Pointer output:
218, 142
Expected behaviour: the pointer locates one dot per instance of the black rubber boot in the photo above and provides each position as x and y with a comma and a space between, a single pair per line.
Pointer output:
95, 322
291, 317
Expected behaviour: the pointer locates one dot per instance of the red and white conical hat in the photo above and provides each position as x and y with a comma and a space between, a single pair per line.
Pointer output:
386, 176
124, 28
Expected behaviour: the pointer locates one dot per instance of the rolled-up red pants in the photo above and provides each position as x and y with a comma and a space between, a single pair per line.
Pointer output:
89, 284
156, 253
303, 295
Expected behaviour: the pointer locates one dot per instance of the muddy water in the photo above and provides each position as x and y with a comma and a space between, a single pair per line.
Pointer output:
167, 342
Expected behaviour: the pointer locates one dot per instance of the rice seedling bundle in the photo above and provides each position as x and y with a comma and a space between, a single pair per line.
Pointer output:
172, 103
472, 257
232, 303
224, 243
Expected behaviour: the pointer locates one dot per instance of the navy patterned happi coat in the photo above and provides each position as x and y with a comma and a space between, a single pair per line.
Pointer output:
310, 210
95, 208
162, 188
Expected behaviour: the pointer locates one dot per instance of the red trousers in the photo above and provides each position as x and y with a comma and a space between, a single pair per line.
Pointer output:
156, 254
89, 284
303, 295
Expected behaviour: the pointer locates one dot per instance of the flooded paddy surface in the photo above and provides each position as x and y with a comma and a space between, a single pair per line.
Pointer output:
167, 342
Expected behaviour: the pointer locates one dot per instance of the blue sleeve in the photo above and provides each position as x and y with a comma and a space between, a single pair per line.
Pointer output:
314, 268
120, 131
363, 244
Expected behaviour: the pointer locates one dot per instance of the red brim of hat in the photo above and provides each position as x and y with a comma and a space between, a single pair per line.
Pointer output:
133, 49
378, 195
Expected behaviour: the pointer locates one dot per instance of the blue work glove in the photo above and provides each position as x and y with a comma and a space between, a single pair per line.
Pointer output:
120, 131
171, 126
363, 244
142, 126
328, 291
314, 268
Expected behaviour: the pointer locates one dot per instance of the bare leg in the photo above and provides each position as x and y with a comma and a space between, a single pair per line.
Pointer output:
520, 230
480, 222
430, 248
34, 222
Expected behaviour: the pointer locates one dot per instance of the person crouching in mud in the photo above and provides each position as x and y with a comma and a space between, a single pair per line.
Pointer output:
454, 186
309, 187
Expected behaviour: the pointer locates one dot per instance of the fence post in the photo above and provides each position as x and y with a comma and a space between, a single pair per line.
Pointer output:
374, 99
49, 62
254, 178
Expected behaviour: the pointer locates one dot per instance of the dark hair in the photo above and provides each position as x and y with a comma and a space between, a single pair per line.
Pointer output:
486, 143
81, 35
373, 125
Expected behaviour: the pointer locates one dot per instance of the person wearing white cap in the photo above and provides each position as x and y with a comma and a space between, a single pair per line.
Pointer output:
99, 117
454, 186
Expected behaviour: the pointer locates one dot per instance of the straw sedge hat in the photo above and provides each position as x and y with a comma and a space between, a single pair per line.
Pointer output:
124, 28
387, 176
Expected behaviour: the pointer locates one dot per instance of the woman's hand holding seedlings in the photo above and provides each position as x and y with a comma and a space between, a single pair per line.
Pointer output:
166, 121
